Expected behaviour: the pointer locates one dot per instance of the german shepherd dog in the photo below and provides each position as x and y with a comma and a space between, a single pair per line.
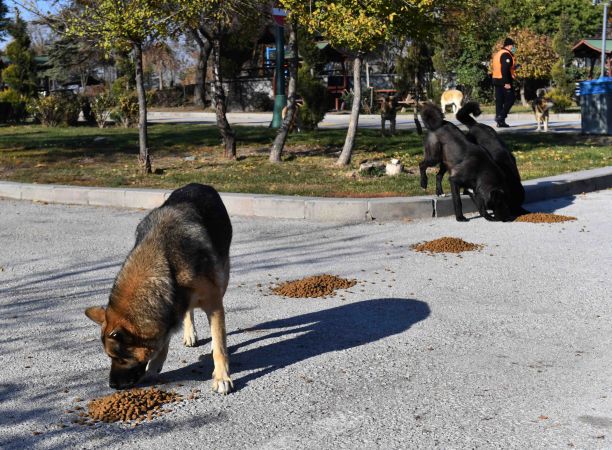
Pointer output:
541, 109
180, 261
469, 164
388, 111
487, 137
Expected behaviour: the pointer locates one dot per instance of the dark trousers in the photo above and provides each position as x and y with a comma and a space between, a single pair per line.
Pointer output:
504, 99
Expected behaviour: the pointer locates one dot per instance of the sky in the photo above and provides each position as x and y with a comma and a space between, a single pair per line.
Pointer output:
43, 5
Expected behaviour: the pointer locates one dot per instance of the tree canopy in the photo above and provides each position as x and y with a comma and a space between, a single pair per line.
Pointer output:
20, 74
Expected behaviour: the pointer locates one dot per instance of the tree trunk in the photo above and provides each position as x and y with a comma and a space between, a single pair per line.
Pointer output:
84, 77
349, 142
229, 138
283, 131
205, 47
160, 74
143, 155
417, 100
522, 89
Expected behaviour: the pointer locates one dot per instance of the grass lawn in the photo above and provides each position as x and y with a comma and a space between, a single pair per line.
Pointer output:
182, 153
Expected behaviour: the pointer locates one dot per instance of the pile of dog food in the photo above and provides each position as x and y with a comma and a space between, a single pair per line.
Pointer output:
543, 218
135, 404
312, 287
446, 245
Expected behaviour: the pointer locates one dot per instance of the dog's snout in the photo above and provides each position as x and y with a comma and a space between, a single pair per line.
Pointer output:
120, 378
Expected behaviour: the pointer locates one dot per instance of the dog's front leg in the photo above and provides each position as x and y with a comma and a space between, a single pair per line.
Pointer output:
457, 201
545, 124
222, 383
156, 364
190, 337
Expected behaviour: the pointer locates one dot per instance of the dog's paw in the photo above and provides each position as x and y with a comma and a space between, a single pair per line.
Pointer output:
190, 338
222, 385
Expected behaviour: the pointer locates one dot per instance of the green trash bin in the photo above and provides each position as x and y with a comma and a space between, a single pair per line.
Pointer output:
596, 106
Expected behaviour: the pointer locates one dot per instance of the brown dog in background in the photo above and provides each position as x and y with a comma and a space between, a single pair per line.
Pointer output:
452, 98
180, 261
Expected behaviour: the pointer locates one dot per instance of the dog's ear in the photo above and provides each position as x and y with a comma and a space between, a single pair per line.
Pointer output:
97, 314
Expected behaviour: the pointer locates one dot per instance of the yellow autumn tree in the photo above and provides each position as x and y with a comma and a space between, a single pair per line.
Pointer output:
122, 25
534, 54
360, 27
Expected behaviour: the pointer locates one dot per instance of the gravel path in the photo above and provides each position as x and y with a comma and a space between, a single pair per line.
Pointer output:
505, 347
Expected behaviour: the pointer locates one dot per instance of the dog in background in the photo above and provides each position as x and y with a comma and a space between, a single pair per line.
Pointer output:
487, 137
180, 261
452, 98
541, 106
470, 166
388, 111
295, 124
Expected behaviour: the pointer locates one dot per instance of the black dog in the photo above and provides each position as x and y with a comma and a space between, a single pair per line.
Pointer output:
470, 166
487, 137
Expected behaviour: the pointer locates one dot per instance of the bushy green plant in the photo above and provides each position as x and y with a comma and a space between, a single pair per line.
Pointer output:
47, 110
72, 108
169, 97
560, 99
12, 106
120, 86
61, 108
126, 110
102, 106
315, 97
261, 101
85, 103
347, 99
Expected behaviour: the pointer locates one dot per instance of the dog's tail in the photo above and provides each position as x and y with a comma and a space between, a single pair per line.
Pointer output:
463, 115
432, 116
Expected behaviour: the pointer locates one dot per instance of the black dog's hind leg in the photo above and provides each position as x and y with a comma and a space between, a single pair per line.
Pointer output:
423, 165
457, 201
439, 177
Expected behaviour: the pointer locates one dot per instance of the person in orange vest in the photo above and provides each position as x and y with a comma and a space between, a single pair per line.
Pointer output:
504, 74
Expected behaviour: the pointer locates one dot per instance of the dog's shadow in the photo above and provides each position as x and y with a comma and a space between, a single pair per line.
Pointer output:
305, 336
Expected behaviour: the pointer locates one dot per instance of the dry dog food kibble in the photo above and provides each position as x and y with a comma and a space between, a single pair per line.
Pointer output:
315, 286
134, 404
543, 218
446, 245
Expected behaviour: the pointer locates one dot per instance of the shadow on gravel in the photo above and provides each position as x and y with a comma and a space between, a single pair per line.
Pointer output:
550, 205
302, 337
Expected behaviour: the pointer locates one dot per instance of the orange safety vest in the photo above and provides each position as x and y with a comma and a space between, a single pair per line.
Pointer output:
497, 73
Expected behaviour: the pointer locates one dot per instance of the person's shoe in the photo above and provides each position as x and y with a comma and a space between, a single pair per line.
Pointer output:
502, 124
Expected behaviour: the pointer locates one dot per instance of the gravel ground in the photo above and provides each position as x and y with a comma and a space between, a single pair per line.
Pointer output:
561, 123
506, 347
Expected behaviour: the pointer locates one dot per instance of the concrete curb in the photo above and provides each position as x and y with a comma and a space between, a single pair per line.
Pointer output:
307, 208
